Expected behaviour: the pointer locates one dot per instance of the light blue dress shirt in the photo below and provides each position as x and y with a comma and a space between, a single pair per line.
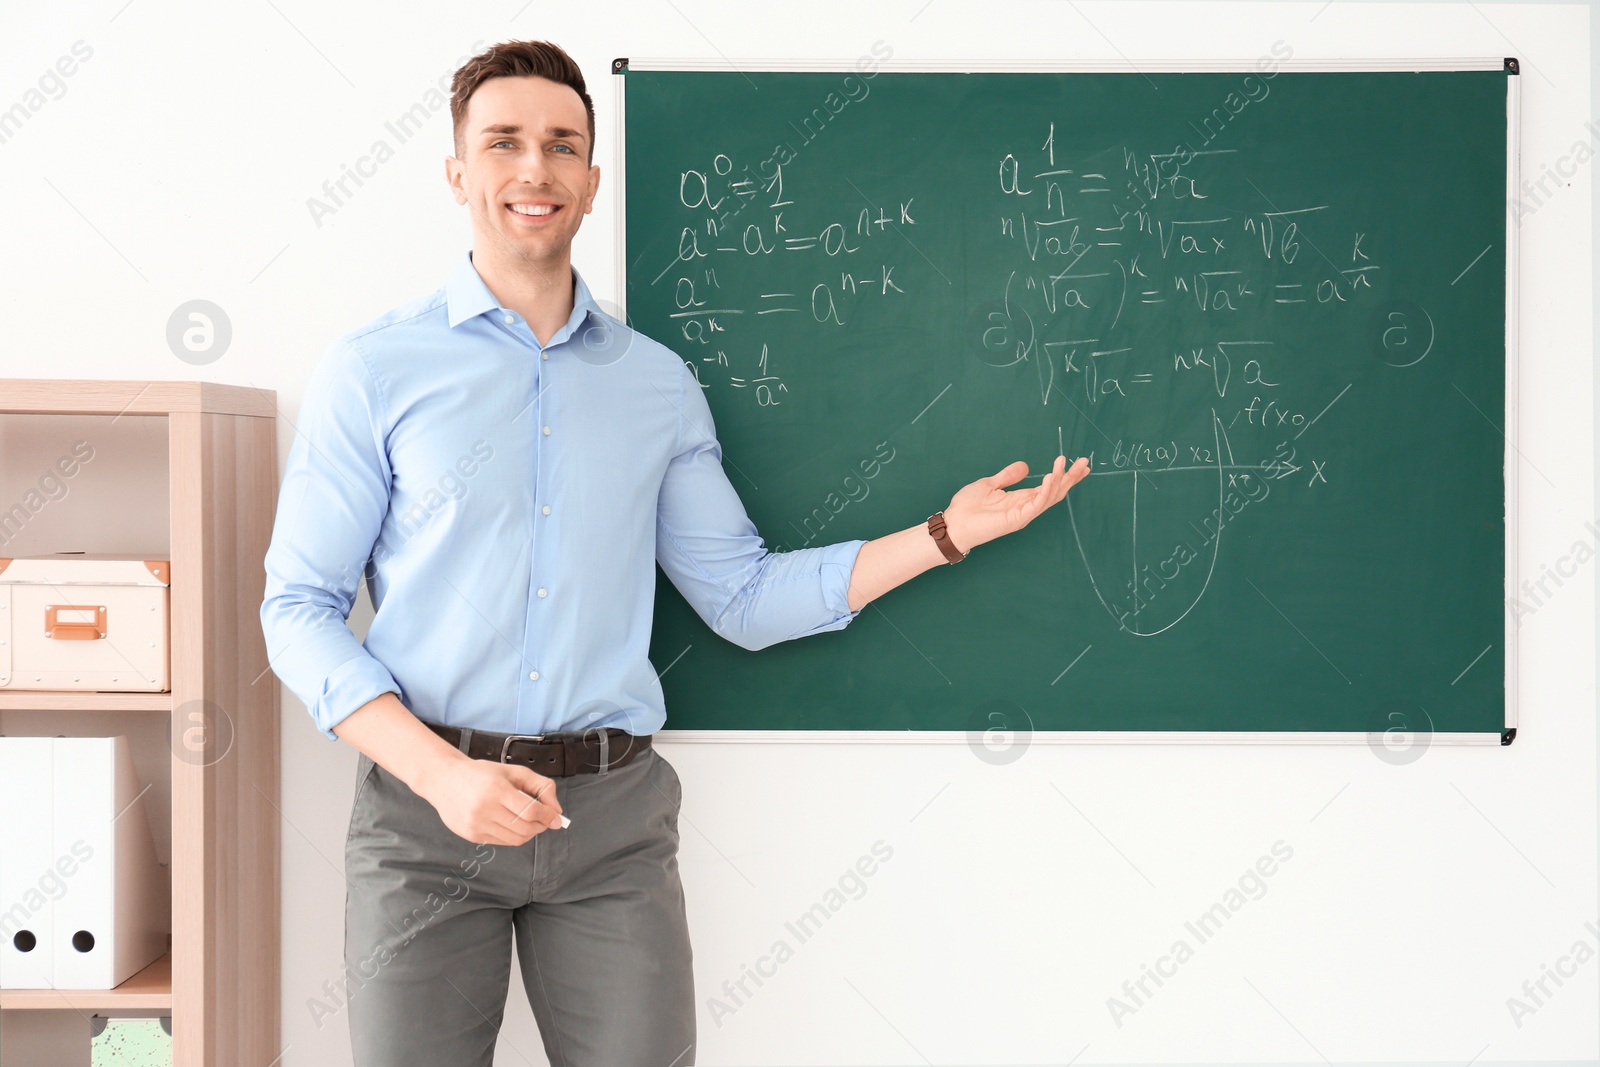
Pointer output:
507, 505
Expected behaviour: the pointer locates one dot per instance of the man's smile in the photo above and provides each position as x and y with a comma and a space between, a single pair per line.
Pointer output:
534, 212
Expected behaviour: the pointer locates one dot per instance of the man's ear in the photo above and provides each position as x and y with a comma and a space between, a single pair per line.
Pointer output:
452, 178
594, 187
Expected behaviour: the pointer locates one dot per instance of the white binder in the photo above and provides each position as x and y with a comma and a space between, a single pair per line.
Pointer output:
113, 919
84, 904
29, 881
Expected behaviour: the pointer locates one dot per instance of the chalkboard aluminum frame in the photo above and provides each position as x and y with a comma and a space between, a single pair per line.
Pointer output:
620, 68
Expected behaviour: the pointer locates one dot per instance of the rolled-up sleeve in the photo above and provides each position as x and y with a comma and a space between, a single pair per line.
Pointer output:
332, 504
711, 551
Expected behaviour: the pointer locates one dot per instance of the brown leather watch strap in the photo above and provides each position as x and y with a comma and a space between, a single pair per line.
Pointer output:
941, 537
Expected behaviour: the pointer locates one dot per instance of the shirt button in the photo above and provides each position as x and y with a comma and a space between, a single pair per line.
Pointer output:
510, 317
546, 509
542, 591
547, 431
533, 676
544, 355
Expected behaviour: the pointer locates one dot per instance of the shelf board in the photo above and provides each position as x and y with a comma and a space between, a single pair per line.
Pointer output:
150, 988
55, 396
72, 700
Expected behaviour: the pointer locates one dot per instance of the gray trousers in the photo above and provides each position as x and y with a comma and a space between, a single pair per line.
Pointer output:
596, 909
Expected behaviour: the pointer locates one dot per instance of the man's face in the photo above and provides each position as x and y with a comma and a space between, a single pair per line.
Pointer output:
524, 168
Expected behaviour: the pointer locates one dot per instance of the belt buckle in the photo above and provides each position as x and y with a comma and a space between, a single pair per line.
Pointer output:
505, 746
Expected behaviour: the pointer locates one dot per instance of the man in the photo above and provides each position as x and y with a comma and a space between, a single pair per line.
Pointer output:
507, 464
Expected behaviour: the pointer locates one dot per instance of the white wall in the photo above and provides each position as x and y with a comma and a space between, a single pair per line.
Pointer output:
177, 165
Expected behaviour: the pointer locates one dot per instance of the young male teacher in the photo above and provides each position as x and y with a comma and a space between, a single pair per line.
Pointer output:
506, 464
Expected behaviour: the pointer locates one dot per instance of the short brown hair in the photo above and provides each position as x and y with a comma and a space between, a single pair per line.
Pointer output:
516, 59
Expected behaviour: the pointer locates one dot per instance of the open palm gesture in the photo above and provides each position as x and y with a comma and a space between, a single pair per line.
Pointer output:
985, 510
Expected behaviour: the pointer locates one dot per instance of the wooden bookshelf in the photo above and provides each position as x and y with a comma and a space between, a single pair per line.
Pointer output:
220, 978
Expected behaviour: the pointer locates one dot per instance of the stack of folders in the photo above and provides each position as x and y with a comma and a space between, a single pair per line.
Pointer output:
83, 900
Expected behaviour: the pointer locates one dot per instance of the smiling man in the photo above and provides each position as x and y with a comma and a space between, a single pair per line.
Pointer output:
506, 464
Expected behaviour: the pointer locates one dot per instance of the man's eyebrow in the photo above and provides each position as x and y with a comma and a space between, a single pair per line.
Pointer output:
554, 131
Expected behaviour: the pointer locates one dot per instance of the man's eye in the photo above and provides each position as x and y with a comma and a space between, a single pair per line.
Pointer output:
497, 144
562, 148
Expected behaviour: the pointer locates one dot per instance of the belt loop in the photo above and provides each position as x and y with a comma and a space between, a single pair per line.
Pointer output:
605, 749
466, 740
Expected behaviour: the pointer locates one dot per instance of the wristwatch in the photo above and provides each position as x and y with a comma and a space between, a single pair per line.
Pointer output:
941, 537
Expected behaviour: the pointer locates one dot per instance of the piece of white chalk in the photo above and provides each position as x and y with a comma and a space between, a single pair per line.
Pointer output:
565, 822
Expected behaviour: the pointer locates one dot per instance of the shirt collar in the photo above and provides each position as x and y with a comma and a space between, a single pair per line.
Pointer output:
467, 296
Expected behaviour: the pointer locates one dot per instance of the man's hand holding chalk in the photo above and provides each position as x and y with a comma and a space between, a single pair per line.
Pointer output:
487, 802
536, 801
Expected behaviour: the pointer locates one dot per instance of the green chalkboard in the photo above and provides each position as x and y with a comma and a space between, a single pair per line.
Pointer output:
1272, 310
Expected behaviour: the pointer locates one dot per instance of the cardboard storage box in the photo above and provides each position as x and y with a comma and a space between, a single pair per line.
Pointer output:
74, 620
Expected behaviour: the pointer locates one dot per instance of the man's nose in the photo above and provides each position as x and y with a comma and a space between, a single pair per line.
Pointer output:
533, 168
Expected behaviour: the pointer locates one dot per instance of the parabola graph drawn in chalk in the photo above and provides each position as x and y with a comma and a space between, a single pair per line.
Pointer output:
1140, 622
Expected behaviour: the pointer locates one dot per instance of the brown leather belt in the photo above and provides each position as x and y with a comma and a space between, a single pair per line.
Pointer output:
556, 755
